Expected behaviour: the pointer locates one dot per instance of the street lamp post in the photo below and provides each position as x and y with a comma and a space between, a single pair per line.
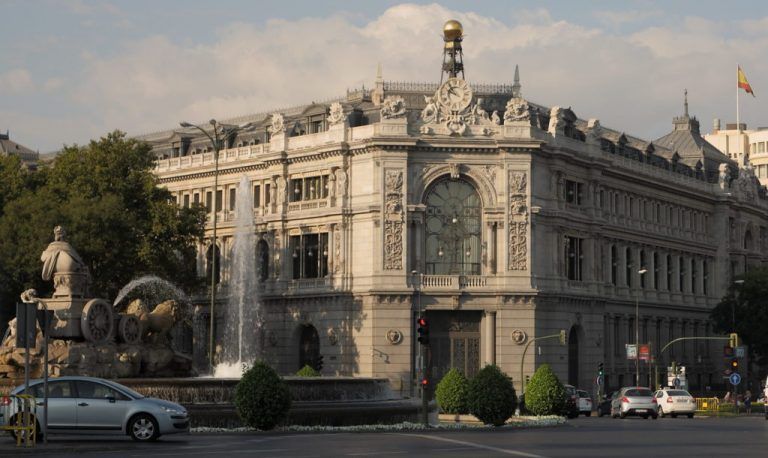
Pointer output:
733, 304
216, 142
637, 331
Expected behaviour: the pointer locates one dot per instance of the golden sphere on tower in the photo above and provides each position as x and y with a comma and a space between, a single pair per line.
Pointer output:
452, 30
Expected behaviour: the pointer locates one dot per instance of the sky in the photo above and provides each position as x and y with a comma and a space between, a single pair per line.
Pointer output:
71, 71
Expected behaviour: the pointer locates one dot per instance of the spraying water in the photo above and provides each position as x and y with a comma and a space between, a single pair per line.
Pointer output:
243, 320
152, 289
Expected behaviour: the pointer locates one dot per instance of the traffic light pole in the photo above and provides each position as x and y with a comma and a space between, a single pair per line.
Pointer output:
679, 339
560, 335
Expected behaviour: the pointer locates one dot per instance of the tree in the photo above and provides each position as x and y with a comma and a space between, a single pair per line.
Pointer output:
491, 396
748, 304
121, 222
544, 394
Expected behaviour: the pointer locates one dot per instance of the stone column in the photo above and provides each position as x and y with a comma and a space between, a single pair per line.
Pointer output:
489, 338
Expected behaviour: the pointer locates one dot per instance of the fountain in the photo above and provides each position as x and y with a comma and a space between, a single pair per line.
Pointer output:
88, 335
242, 320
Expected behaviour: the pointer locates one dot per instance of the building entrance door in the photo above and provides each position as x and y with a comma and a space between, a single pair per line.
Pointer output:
309, 347
454, 343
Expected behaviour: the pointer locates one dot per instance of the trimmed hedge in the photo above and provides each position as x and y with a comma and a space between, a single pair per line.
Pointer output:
491, 396
262, 398
451, 393
544, 394
308, 371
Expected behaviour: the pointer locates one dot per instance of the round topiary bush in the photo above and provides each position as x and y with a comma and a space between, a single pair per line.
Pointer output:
308, 371
451, 393
544, 394
491, 396
262, 398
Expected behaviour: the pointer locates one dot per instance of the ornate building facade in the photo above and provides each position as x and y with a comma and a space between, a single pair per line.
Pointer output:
499, 219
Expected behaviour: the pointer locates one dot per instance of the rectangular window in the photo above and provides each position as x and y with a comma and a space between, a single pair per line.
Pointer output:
232, 198
296, 187
186, 200
681, 271
309, 253
628, 267
669, 272
573, 192
256, 196
196, 199
267, 195
219, 199
574, 258
208, 201
614, 265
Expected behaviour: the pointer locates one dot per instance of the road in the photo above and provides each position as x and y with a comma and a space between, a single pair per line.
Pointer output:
583, 437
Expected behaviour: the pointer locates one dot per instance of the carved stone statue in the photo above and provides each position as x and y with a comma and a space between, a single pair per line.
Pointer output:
556, 120
478, 113
336, 114
724, 178
393, 107
278, 124
495, 118
517, 110
430, 112
281, 186
63, 264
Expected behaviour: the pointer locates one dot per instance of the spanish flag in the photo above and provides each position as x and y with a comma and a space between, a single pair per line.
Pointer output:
743, 83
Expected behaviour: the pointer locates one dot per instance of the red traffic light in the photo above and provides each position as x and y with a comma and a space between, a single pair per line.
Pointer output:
422, 322
423, 330
424, 382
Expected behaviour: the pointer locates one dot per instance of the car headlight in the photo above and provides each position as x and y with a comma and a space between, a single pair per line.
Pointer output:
173, 410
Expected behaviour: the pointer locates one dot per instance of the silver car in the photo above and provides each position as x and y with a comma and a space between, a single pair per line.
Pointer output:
634, 401
89, 404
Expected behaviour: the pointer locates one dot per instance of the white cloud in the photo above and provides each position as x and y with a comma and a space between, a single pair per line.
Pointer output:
15, 81
617, 19
632, 83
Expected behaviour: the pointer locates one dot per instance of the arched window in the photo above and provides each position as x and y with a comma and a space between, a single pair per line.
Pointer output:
209, 258
262, 260
453, 228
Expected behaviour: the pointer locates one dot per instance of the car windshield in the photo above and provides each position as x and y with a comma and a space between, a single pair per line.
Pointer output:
678, 393
638, 392
583, 394
125, 389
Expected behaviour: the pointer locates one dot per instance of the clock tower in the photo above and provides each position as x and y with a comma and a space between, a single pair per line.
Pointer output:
453, 34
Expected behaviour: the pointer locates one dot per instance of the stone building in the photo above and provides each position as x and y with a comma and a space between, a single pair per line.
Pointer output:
500, 219
743, 145
8, 147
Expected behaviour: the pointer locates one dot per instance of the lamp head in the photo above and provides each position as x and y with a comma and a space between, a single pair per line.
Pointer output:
185, 124
212, 122
642, 271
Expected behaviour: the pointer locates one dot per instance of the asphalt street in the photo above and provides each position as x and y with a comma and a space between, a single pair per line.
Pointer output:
582, 437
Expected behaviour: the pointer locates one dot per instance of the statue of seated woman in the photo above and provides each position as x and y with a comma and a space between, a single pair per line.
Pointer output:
65, 267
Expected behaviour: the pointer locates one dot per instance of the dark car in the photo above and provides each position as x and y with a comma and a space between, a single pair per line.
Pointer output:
604, 407
571, 409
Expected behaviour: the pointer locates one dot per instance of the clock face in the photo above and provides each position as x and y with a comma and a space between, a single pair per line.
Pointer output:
455, 94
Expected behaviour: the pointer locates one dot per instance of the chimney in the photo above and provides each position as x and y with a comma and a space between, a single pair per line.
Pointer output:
716, 125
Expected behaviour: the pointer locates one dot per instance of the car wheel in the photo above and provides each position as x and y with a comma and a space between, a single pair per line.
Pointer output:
690, 415
655, 416
600, 412
645, 417
587, 414
143, 428
622, 415
674, 415
15, 434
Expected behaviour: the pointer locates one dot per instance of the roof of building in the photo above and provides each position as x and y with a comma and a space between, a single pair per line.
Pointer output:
10, 147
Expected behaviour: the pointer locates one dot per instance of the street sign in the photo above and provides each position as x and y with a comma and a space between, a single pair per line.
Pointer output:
599, 380
740, 351
631, 351
735, 378
645, 352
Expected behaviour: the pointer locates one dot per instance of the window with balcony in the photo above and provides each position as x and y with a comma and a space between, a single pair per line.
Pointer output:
573, 192
453, 228
310, 255
573, 258
308, 188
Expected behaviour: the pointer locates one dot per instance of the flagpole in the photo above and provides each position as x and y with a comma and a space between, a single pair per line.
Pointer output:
738, 122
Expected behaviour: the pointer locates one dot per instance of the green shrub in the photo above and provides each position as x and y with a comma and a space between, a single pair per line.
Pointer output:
544, 394
491, 396
308, 371
262, 398
451, 393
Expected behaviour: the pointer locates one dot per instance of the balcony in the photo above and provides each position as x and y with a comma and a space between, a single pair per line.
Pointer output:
456, 282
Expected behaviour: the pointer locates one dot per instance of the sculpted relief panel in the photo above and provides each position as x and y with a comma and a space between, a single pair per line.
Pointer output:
518, 221
394, 216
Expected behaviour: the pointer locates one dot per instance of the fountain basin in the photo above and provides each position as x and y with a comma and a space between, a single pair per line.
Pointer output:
331, 401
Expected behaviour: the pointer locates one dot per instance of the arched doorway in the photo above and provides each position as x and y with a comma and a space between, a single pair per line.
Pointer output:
573, 356
309, 347
453, 228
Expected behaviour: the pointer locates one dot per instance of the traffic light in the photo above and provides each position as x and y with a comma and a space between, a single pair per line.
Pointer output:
735, 365
423, 330
600, 370
424, 382
734, 340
